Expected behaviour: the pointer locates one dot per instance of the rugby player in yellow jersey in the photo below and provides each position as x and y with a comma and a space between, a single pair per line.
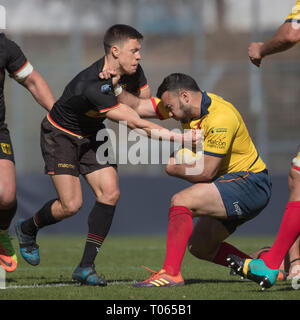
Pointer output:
265, 269
233, 187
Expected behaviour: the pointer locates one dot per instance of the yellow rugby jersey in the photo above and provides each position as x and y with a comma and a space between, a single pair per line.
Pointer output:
294, 16
225, 134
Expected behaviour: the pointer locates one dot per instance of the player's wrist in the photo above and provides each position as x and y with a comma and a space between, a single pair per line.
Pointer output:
262, 51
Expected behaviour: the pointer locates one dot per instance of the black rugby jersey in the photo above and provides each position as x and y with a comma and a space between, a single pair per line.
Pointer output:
82, 106
12, 59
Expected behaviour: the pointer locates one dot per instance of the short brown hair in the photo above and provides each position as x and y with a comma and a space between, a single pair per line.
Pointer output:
118, 33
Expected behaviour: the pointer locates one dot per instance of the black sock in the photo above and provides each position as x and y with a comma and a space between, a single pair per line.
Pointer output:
6, 216
99, 223
41, 219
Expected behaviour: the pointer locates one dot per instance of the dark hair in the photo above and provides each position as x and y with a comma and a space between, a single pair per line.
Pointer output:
119, 33
177, 81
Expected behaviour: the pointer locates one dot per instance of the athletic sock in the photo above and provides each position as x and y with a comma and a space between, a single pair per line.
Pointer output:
180, 228
288, 233
226, 249
99, 222
41, 219
6, 216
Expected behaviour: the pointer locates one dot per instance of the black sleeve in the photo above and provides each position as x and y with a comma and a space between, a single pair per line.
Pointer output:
142, 81
103, 100
15, 58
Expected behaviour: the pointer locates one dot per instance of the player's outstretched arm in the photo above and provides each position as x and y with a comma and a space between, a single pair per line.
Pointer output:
202, 170
40, 90
141, 104
152, 130
285, 38
145, 93
144, 107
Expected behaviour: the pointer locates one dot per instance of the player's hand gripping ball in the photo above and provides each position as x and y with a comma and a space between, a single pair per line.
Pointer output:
187, 156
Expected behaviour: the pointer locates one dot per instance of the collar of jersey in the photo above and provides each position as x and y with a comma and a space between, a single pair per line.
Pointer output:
205, 103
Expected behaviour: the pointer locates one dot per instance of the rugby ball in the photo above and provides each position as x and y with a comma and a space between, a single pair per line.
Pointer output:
186, 156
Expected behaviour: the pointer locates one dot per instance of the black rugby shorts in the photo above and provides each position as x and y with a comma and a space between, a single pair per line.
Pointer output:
65, 153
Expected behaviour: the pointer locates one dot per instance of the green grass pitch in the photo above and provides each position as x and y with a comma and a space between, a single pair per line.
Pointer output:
120, 262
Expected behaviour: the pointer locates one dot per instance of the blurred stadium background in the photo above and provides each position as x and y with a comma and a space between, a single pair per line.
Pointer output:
207, 39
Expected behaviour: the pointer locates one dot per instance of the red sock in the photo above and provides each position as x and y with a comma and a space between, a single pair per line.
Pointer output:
288, 233
180, 229
226, 249
262, 255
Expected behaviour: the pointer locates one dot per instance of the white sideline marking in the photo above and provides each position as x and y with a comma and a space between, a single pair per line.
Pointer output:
62, 284
42, 286
73, 267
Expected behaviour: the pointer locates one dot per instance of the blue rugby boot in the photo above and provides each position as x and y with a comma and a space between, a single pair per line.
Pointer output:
28, 247
253, 269
88, 276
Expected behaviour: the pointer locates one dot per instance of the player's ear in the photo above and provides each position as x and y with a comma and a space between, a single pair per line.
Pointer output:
184, 96
115, 51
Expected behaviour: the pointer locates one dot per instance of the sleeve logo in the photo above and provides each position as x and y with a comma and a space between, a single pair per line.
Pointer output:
218, 130
6, 148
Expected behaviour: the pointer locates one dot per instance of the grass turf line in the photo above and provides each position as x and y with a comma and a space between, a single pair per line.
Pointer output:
120, 261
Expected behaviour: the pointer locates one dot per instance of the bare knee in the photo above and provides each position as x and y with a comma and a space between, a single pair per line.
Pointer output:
71, 207
7, 197
178, 200
110, 196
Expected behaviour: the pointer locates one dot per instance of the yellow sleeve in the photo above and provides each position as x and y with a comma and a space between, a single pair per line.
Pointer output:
294, 16
219, 135
160, 109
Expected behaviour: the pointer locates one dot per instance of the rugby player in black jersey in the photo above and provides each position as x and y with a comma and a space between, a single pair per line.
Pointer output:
13, 60
69, 146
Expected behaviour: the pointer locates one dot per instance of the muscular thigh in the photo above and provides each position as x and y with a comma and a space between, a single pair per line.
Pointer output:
7, 183
105, 184
202, 199
68, 188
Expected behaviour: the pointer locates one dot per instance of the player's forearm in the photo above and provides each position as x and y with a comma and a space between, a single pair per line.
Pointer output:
129, 99
203, 169
285, 38
276, 46
143, 107
145, 93
40, 90
155, 131
193, 173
